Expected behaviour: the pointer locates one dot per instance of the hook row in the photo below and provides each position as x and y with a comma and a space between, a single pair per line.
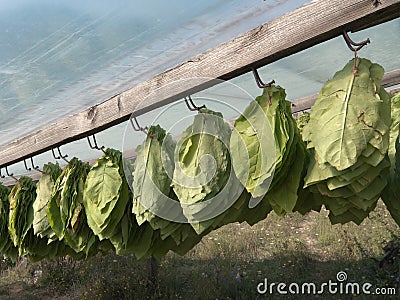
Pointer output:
26, 167
136, 126
93, 145
33, 166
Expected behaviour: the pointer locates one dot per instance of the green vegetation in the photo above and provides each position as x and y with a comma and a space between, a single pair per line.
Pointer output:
227, 264
348, 136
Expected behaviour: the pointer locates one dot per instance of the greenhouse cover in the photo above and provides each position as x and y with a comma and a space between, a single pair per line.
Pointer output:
60, 57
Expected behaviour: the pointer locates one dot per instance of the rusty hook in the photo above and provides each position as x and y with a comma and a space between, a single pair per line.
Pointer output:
259, 82
353, 46
137, 127
94, 146
192, 106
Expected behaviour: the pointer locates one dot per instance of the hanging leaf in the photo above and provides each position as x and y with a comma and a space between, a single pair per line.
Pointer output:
66, 213
348, 134
20, 221
268, 154
44, 189
103, 197
391, 195
7, 248
394, 129
302, 121
350, 112
203, 179
251, 141
152, 177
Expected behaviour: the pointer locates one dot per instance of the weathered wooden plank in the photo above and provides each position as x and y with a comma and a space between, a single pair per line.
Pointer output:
394, 91
302, 28
390, 78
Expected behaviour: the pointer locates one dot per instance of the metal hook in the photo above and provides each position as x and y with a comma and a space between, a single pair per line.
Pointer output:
137, 127
26, 167
10, 175
192, 106
54, 155
35, 167
61, 156
94, 146
259, 82
353, 46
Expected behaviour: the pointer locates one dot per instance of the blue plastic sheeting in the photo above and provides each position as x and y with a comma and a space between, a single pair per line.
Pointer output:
96, 52
60, 57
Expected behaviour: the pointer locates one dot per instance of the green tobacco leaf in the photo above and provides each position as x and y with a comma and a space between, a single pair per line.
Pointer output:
152, 179
202, 164
21, 199
7, 248
152, 176
391, 195
283, 198
203, 170
394, 129
66, 213
254, 133
268, 135
302, 121
101, 196
44, 190
348, 115
348, 133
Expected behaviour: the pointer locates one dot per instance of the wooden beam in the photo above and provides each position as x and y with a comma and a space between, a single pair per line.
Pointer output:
394, 91
391, 78
300, 29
